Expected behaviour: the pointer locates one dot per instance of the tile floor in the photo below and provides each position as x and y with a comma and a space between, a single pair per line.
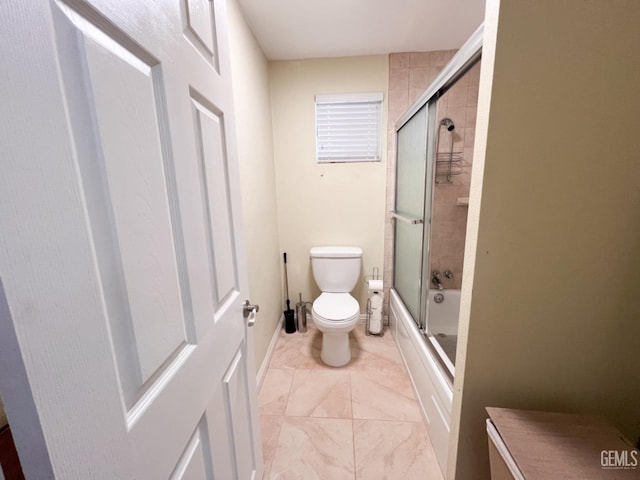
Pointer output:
360, 421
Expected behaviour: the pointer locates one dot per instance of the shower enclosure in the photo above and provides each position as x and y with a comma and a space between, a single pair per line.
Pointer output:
434, 149
434, 152
411, 228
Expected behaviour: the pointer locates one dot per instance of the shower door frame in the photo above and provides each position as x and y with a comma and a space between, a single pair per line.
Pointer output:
462, 61
430, 171
468, 55
424, 220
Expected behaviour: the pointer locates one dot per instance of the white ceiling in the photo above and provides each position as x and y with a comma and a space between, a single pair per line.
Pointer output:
296, 29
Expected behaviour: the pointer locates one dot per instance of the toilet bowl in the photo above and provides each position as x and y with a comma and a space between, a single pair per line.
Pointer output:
335, 312
335, 315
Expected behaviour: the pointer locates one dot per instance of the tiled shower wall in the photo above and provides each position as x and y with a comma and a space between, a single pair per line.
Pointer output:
449, 219
409, 75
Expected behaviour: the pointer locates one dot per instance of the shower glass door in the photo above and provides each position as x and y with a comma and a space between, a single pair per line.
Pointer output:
413, 197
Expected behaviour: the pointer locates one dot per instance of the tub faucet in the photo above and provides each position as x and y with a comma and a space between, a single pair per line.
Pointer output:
436, 279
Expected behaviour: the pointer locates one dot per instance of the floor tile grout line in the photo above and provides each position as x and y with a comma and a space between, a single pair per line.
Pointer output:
275, 450
353, 429
293, 377
276, 447
315, 417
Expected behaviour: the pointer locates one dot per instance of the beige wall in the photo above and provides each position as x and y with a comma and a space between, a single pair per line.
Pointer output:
251, 96
553, 254
326, 204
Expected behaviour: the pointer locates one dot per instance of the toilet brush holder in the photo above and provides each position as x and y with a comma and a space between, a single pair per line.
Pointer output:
301, 314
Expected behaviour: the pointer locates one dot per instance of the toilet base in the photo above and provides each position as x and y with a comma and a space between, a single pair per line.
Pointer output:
336, 351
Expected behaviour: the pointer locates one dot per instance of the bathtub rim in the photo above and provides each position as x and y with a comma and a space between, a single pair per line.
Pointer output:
444, 358
443, 382
431, 385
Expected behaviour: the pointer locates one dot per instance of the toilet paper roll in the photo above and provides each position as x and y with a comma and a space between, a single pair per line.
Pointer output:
375, 322
375, 285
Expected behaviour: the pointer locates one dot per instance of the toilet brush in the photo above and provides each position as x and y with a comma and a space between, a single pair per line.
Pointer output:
289, 320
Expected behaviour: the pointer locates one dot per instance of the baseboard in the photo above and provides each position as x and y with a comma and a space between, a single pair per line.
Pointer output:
264, 366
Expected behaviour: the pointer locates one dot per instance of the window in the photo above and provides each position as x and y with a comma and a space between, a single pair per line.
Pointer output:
348, 127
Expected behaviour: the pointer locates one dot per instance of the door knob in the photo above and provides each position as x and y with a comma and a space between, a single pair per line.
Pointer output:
249, 311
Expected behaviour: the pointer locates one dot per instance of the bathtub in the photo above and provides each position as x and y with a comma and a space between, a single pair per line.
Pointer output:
431, 381
443, 317
443, 323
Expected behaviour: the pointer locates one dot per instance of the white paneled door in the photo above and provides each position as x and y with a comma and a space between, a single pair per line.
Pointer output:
123, 346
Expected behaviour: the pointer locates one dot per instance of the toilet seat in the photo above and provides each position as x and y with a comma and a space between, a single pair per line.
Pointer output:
335, 308
335, 315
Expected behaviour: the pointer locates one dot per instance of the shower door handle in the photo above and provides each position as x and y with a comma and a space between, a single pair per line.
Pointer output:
402, 218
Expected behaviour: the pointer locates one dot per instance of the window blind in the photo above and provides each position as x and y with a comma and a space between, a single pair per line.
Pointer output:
348, 127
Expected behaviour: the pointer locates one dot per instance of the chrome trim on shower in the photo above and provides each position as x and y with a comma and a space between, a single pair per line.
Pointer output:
430, 174
462, 61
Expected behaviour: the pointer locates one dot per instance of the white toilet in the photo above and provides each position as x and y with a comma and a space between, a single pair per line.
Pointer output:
335, 312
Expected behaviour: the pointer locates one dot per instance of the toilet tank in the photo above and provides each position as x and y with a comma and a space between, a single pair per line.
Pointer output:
336, 269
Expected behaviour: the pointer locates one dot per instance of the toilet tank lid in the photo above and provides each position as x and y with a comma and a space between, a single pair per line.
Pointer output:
336, 252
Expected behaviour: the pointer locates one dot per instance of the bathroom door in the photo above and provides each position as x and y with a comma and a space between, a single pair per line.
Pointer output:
414, 190
123, 347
